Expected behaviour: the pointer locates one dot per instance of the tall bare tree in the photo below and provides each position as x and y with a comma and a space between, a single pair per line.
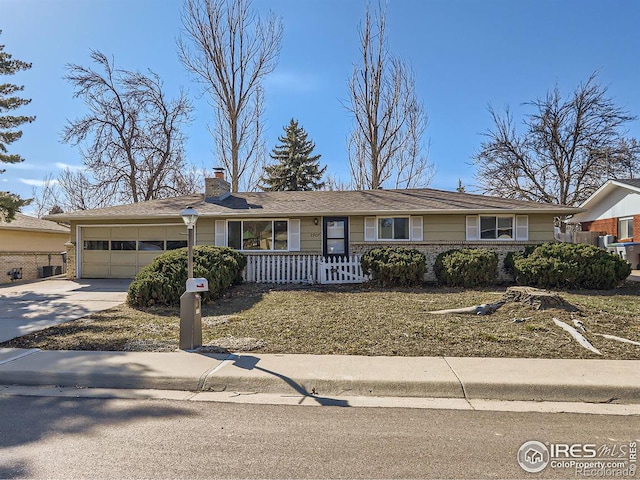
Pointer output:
568, 148
385, 146
231, 50
131, 140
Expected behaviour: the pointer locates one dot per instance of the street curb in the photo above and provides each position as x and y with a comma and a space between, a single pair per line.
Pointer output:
595, 381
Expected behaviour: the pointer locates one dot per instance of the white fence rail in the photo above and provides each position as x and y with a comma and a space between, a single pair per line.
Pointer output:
302, 269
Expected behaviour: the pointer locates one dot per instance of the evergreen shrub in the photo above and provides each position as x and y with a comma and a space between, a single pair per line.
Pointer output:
570, 265
163, 281
467, 267
395, 266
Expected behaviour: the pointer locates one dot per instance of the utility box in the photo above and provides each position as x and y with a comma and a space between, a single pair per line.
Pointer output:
197, 285
190, 320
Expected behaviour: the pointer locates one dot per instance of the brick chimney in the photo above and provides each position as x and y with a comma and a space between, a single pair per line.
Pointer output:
217, 188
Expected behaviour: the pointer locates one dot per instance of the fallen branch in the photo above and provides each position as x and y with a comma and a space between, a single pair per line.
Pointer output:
577, 335
618, 339
484, 309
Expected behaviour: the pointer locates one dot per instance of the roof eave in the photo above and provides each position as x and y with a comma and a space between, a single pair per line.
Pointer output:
257, 214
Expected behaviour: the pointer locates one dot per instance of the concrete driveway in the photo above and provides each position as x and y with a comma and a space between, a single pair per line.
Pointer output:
28, 307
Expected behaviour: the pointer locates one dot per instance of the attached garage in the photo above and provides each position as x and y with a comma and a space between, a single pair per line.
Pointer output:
121, 251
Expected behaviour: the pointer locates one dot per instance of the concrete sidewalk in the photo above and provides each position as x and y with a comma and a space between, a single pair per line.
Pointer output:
324, 376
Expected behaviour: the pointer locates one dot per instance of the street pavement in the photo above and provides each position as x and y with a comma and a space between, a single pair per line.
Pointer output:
324, 378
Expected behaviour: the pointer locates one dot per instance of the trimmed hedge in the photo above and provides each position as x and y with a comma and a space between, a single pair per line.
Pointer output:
467, 267
570, 265
163, 281
395, 266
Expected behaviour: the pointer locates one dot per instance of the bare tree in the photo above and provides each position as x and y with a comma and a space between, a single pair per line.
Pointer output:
231, 50
385, 145
131, 140
569, 147
47, 197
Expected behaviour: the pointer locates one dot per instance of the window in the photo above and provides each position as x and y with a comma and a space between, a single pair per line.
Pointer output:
258, 235
175, 244
151, 245
123, 245
625, 228
96, 245
496, 228
393, 228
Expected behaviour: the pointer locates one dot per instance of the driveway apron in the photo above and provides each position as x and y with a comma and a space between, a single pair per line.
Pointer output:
29, 307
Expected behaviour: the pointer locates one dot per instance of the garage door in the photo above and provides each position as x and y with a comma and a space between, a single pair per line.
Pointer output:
120, 252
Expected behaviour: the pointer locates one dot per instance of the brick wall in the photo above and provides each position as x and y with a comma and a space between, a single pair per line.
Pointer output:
636, 228
608, 225
71, 260
29, 262
432, 250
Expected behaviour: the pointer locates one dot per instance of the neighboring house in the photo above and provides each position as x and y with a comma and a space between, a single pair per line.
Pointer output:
118, 241
31, 248
614, 209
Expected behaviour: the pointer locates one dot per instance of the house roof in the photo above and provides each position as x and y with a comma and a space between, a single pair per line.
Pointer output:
318, 203
25, 222
610, 185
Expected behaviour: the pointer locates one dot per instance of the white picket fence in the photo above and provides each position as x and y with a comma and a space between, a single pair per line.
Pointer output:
337, 270
302, 269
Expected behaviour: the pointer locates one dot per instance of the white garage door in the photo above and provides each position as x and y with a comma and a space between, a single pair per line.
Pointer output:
120, 252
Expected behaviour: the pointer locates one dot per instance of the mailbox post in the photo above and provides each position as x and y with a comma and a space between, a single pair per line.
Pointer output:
190, 300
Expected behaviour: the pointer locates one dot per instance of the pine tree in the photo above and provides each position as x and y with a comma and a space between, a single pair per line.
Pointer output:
9, 202
296, 167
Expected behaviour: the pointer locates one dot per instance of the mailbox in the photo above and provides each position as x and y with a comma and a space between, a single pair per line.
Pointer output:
197, 285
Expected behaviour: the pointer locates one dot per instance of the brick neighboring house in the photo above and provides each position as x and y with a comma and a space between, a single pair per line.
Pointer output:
292, 230
31, 248
614, 209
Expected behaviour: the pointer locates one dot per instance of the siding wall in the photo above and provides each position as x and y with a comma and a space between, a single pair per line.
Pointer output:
441, 233
32, 241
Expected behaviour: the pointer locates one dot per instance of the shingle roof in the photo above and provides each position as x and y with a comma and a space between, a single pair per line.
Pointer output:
361, 202
25, 222
633, 182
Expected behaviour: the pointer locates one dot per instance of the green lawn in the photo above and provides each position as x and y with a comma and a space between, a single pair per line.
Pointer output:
356, 320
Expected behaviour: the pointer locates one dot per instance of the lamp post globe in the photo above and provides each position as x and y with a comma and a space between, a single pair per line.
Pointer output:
189, 216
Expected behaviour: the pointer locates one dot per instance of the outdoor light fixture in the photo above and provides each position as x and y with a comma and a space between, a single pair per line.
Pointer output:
189, 216
190, 301
315, 221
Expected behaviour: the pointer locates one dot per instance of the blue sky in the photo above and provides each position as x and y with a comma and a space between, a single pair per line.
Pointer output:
466, 54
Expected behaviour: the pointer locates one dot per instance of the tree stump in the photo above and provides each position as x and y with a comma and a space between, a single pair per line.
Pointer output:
535, 298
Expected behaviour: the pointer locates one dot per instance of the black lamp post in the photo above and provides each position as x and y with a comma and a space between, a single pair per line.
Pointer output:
190, 305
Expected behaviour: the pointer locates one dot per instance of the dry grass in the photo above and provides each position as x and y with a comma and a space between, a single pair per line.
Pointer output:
363, 321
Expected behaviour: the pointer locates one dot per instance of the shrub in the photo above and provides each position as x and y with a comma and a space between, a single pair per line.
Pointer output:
571, 265
163, 281
395, 266
510, 258
467, 267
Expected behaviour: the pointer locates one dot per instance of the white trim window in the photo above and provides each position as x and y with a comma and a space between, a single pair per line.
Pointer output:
625, 228
261, 235
393, 229
497, 227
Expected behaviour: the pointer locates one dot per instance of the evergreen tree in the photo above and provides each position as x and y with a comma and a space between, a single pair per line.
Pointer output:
460, 188
9, 202
296, 167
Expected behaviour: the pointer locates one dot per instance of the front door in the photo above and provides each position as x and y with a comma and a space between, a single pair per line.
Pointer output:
335, 240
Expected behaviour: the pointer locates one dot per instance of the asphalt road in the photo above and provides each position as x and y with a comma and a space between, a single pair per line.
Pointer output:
52, 437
